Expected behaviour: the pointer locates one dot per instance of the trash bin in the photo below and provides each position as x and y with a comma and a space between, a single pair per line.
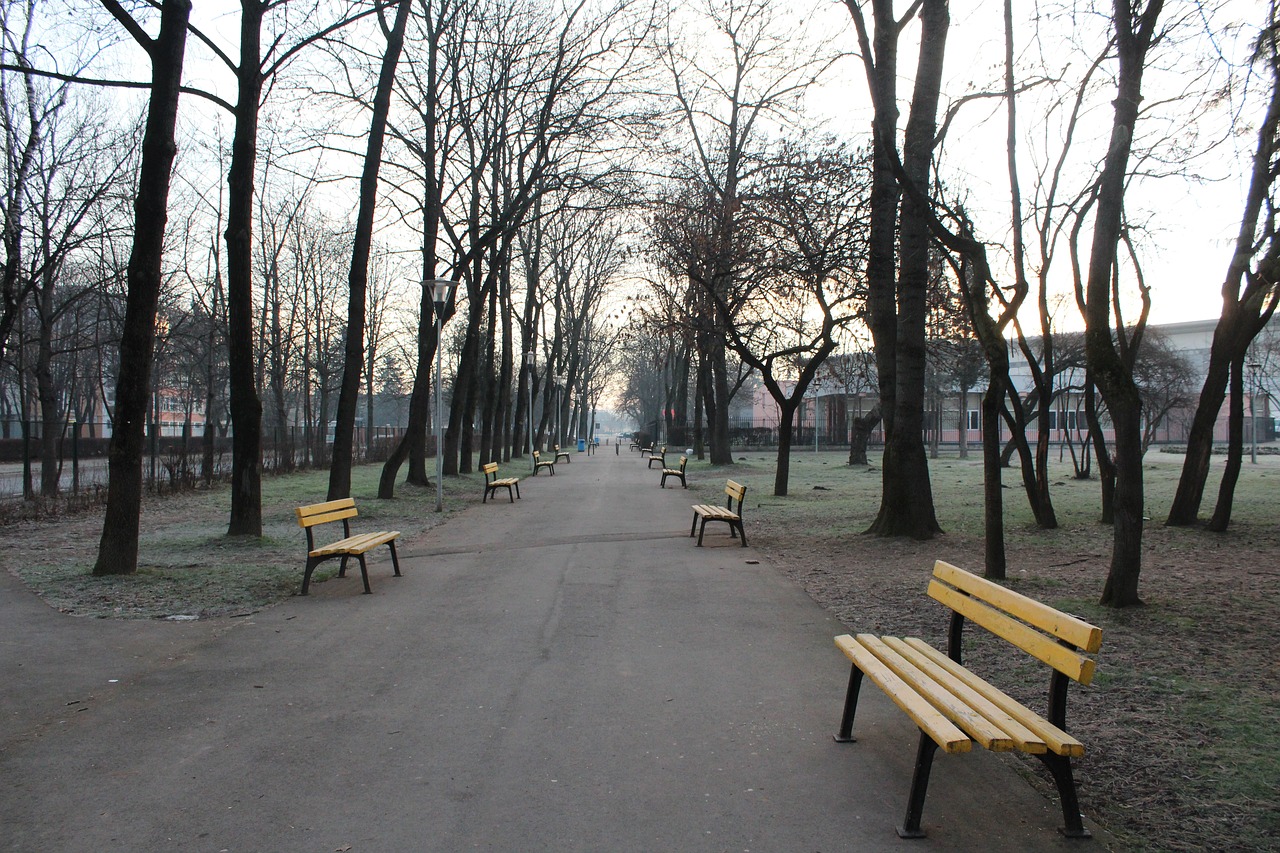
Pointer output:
582, 445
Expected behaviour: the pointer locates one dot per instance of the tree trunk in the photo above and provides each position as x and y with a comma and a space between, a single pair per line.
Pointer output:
245, 405
1235, 451
353, 363
118, 548
861, 435
992, 487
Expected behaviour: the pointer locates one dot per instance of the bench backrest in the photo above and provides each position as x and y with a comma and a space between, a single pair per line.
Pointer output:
490, 470
1058, 639
339, 510
684, 460
736, 492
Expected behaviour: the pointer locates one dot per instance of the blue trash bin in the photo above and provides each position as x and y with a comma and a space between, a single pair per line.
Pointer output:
582, 445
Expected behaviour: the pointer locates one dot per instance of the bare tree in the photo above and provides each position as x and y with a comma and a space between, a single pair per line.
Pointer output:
1249, 293
118, 548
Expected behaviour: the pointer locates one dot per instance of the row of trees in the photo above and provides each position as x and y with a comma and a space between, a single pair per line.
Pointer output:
527, 151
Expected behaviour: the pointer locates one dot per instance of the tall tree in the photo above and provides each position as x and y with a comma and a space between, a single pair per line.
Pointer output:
118, 548
1249, 289
898, 266
1109, 353
353, 363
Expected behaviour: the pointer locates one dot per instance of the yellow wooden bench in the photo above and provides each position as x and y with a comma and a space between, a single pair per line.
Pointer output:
675, 472
492, 482
659, 456
540, 463
560, 454
344, 509
953, 707
726, 513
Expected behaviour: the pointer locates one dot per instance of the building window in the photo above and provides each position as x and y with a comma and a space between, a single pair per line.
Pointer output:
974, 419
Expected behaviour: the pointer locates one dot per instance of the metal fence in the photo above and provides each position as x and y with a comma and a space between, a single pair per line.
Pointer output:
173, 460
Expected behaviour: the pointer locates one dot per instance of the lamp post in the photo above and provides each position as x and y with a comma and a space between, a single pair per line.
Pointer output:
1254, 368
560, 380
529, 359
441, 292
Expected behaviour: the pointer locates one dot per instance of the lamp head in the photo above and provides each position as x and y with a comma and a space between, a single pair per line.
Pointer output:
441, 292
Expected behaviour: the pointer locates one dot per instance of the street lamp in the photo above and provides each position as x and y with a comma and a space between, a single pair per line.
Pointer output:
1254, 368
560, 380
441, 293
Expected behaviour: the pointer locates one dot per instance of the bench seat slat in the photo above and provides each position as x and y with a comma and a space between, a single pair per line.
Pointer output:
931, 721
1023, 738
357, 544
1070, 663
1055, 738
969, 720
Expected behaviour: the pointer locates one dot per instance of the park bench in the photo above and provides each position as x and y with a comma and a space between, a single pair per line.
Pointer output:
539, 463
492, 482
659, 456
645, 451
561, 453
344, 509
953, 707
675, 472
726, 513
635, 445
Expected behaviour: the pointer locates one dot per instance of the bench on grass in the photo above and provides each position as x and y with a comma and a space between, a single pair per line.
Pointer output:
675, 472
659, 456
492, 482
561, 454
954, 707
539, 463
310, 517
726, 513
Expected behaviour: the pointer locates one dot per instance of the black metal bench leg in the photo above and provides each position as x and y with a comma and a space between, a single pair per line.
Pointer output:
510, 497
743, 534
395, 561
342, 567
919, 787
845, 734
306, 575
517, 491
702, 530
1060, 767
694, 527
364, 574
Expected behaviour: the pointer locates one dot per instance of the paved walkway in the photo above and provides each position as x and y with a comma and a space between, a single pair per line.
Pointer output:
568, 673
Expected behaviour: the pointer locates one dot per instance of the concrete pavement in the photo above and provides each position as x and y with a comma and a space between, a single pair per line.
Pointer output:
566, 673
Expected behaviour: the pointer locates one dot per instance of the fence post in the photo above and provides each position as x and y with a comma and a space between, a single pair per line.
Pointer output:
27, 492
75, 457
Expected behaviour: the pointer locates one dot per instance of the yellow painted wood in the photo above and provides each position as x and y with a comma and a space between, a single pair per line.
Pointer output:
1038, 645
735, 490
325, 518
489, 468
1055, 738
356, 544
1022, 737
931, 721
1064, 626
970, 721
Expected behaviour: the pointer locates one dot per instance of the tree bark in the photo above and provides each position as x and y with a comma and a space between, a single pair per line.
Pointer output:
244, 403
118, 548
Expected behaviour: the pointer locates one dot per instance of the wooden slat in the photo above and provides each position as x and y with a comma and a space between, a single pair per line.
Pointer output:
326, 517
1055, 738
356, 544
1064, 626
735, 490
326, 509
489, 468
1023, 738
1038, 645
970, 721
931, 721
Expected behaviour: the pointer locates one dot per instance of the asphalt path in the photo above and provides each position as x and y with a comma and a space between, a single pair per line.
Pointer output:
565, 673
